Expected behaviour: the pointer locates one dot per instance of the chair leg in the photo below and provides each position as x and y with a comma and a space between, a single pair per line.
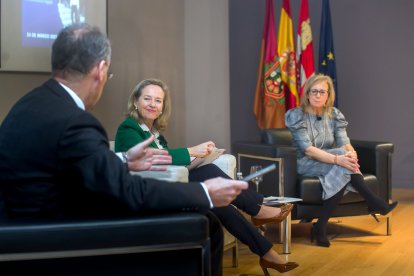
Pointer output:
389, 225
235, 259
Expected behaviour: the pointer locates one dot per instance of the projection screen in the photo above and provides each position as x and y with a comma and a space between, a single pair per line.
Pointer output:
29, 27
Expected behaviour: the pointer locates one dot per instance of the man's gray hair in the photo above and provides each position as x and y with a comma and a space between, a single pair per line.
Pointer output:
78, 48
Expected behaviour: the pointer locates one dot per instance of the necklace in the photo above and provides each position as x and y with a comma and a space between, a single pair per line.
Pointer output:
313, 134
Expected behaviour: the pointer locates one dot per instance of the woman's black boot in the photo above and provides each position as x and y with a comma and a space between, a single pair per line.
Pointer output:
319, 236
376, 205
318, 231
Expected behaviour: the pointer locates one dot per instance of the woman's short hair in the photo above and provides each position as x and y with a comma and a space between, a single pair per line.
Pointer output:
78, 48
161, 122
305, 104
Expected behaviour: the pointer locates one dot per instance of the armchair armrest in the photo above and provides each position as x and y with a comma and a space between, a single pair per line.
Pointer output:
140, 233
375, 158
172, 174
227, 163
133, 244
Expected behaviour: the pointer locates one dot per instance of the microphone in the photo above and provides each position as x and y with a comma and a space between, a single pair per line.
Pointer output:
318, 118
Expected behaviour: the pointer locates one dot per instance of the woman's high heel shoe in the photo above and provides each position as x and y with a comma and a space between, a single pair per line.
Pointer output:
279, 267
284, 212
321, 240
389, 208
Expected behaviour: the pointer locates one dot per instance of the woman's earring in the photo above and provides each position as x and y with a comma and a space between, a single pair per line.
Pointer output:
160, 112
136, 108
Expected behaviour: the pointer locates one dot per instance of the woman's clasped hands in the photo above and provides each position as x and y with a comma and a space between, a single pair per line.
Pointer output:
349, 161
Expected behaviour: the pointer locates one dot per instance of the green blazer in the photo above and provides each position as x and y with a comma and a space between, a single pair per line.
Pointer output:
130, 133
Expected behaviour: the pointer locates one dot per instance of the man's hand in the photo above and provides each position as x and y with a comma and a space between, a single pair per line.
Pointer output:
223, 191
142, 158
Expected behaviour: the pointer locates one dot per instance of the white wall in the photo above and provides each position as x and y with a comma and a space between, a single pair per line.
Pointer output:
206, 59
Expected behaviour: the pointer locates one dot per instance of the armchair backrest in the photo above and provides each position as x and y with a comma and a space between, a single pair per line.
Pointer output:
276, 136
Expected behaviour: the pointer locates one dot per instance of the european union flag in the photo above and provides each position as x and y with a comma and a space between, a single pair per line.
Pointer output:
327, 64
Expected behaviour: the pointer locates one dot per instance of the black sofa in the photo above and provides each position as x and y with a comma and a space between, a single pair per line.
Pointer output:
275, 144
170, 244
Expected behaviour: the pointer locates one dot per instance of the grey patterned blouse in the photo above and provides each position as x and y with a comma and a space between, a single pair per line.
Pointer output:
326, 133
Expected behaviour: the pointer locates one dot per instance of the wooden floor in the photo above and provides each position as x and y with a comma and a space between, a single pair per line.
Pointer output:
359, 246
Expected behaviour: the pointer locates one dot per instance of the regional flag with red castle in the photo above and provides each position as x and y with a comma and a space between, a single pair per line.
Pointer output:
304, 54
286, 51
269, 102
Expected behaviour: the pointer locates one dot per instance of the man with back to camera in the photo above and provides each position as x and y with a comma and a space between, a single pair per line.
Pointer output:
55, 160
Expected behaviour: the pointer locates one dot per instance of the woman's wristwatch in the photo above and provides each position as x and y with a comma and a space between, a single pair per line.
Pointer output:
124, 157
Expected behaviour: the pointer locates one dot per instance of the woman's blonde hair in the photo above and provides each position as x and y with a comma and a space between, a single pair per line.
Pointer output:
162, 121
305, 104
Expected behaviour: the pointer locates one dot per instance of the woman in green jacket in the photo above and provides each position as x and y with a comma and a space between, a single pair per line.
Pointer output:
148, 112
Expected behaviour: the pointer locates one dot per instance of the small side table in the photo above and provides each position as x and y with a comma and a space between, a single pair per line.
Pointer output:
286, 224
277, 187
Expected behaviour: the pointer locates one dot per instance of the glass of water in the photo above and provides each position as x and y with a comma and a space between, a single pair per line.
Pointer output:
258, 179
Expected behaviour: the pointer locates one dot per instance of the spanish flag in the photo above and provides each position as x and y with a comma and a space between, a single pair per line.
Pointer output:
269, 102
304, 53
286, 51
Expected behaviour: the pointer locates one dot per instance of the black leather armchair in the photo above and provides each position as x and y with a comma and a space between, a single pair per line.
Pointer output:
374, 158
173, 244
